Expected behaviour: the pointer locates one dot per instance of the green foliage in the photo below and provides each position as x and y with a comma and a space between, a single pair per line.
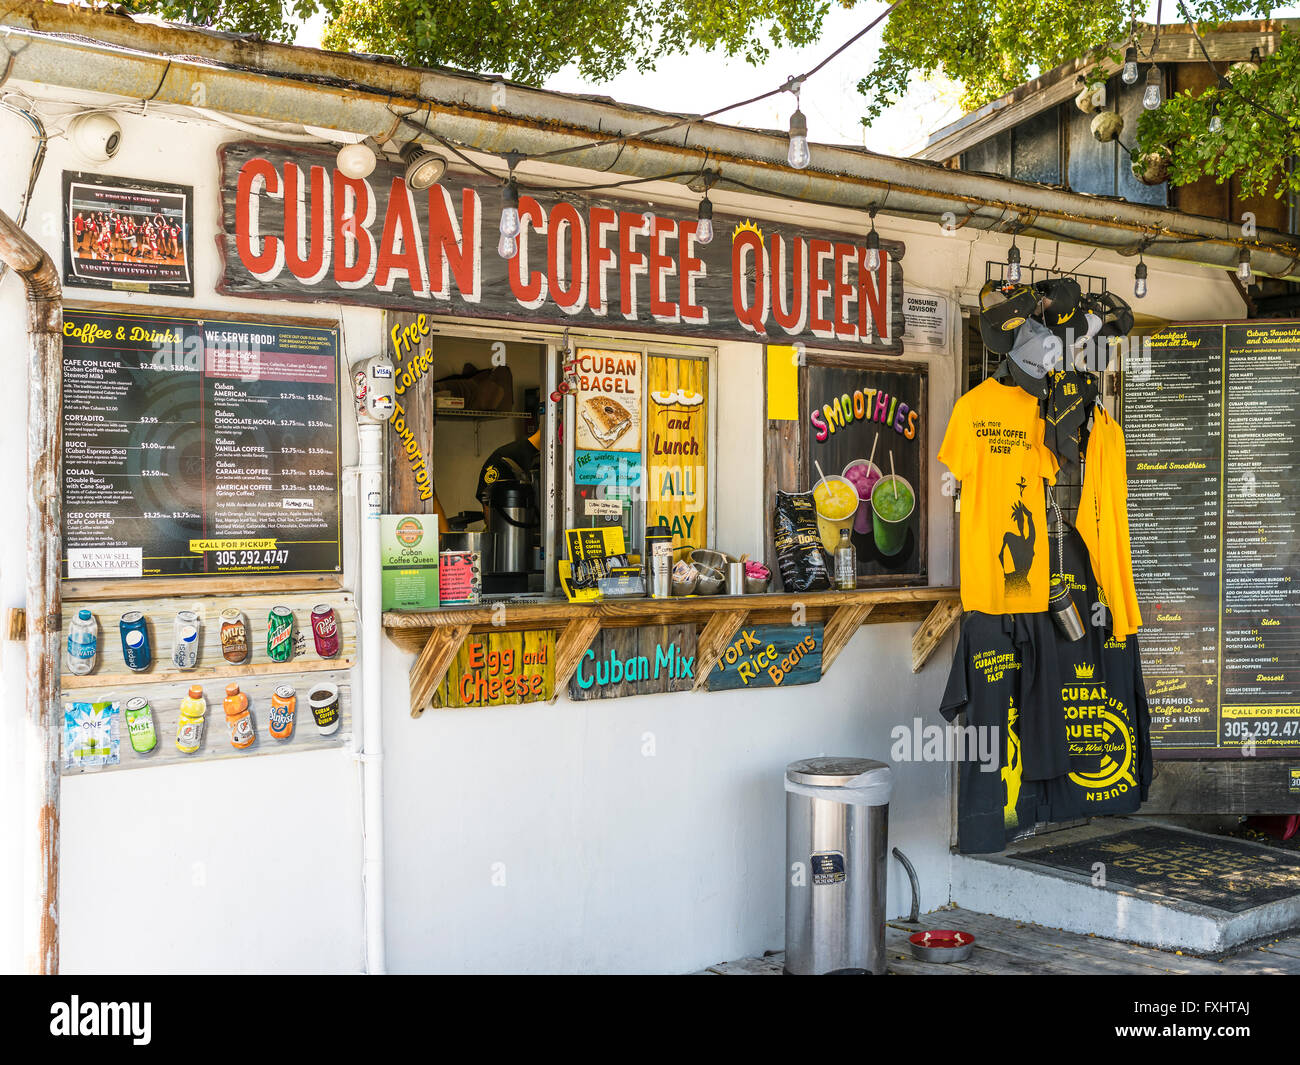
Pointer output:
1254, 145
990, 46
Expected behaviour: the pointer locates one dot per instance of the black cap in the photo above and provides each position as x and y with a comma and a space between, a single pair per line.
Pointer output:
1115, 313
1003, 308
1060, 310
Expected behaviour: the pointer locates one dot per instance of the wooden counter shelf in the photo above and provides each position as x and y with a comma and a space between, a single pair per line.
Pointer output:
435, 636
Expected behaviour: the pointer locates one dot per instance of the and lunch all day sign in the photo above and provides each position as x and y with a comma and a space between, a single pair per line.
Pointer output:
295, 228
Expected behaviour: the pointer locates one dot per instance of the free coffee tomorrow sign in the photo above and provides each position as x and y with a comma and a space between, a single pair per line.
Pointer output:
294, 228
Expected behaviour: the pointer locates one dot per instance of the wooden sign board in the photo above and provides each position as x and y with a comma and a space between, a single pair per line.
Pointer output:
500, 669
639, 661
769, 656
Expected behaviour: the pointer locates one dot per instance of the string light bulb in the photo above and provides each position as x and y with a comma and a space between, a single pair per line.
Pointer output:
510, 211
1152, 94
1216, 123
1243, 266
1013, 263
798, 156
1130, 73
873, 245
704, 223
1140, 279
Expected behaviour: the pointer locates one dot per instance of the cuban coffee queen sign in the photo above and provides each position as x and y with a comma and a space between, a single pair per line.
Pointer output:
294, 228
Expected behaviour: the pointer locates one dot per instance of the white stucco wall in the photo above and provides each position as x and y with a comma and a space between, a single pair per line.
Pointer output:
641, 834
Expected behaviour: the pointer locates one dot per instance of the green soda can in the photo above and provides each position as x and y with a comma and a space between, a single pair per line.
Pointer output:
139, 725
279, 634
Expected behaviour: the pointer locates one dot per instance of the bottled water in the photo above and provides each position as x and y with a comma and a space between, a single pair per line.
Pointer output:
83, 643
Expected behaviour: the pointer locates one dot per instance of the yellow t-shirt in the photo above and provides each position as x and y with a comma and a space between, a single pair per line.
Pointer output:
994, 447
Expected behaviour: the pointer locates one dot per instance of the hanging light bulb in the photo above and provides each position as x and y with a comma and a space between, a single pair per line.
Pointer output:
1243, 266
1013, 263
1216, 123
1130, 73
1140, 279
798, 156
873, 250
508, 246
704, 225
1152, 94
510, 211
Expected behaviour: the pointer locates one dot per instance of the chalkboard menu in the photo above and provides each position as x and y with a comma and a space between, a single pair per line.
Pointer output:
1214, 513
198, 447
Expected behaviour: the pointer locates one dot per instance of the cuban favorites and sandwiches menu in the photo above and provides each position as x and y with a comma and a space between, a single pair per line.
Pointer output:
1214, 514
198, 447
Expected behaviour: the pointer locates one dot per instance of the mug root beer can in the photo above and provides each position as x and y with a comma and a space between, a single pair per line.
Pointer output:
234, 636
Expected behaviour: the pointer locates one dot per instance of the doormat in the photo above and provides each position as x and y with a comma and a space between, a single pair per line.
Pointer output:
1217, 872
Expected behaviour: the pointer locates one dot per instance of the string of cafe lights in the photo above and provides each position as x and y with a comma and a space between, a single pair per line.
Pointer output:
424, 168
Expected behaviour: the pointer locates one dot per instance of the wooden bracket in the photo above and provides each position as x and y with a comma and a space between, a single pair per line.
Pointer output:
16, 624
715, 636
440, 651
839, 630
570, 647
932, 631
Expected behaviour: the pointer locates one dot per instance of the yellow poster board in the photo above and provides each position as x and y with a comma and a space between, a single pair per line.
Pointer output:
500, 669
677, 448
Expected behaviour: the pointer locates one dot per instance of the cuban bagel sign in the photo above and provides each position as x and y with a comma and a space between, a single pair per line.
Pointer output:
294, 228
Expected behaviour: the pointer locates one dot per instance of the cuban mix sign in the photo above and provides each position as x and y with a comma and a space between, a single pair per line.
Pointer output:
294, 228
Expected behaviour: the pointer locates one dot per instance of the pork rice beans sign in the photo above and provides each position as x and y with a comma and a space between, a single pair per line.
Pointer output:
294, 228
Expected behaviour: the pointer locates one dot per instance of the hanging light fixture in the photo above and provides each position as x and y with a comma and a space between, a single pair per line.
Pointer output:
798, 155
1129, 75
1153, 93
355, 160
1140, 278
508, 245
1013, 263
1216, 123
423, 169
873, 244
704, 223
1243, 266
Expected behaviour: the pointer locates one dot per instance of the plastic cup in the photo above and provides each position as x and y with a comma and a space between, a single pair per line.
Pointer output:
890, 513
836, 501
864, 475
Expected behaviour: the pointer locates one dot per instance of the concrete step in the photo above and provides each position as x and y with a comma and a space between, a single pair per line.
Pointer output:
1241, 891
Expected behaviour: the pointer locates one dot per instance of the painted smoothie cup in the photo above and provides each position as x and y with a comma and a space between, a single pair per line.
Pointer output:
891, 512
864, 475
836, 501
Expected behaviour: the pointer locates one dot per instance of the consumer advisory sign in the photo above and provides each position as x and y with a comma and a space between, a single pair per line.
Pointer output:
294, 228
1213, 444
198, 447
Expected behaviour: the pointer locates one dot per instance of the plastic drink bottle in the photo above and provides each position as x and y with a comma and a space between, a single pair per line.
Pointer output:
83, 643
238, 719
189, 728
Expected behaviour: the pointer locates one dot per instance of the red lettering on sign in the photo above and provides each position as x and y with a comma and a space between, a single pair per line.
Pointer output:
692, 267
749, 280
819, 287
354, 247
454, 246
846, 326
631, 262
790, 314
401, 251
568, 273
662, 267
306, 254
600, 260
262, 256
532, 292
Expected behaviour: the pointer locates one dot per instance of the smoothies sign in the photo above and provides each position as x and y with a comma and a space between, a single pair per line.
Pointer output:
866, 429
294, 228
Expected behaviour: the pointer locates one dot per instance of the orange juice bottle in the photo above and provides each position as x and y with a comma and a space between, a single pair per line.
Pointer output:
238, 719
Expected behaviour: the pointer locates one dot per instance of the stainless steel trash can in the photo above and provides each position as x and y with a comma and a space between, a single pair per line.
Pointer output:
836, 846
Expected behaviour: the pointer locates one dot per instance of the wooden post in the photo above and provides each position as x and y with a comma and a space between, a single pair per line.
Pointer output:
44, 624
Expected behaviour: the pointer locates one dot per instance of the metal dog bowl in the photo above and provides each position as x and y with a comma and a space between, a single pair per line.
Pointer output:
941, 946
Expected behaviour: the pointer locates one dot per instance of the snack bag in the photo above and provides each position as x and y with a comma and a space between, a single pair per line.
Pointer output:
798, 544
91, 735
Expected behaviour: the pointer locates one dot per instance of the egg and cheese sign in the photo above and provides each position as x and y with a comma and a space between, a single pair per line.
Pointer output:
295, 228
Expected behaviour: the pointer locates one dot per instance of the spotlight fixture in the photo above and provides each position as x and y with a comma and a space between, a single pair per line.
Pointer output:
423, 168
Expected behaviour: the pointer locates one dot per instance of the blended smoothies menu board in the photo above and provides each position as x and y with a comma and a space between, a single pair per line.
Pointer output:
198, 447
1214, 515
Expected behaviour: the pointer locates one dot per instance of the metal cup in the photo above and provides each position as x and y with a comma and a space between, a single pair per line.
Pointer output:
1064, 613
735, 578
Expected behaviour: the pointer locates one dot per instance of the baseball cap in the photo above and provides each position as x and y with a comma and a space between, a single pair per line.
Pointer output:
1060, 307
1115, 313
1035, 352
1003, 308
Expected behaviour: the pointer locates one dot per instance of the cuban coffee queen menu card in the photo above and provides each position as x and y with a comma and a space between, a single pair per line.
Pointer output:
994, 447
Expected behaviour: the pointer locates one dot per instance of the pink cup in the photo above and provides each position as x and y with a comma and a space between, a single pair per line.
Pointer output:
863, 475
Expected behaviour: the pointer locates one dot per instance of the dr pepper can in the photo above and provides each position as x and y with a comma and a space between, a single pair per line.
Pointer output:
325, 630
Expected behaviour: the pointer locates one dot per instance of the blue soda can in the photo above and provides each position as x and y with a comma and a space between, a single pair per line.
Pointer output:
135, 641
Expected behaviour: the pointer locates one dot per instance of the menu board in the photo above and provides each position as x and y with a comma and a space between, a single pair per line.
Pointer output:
198, 447
1214, 516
